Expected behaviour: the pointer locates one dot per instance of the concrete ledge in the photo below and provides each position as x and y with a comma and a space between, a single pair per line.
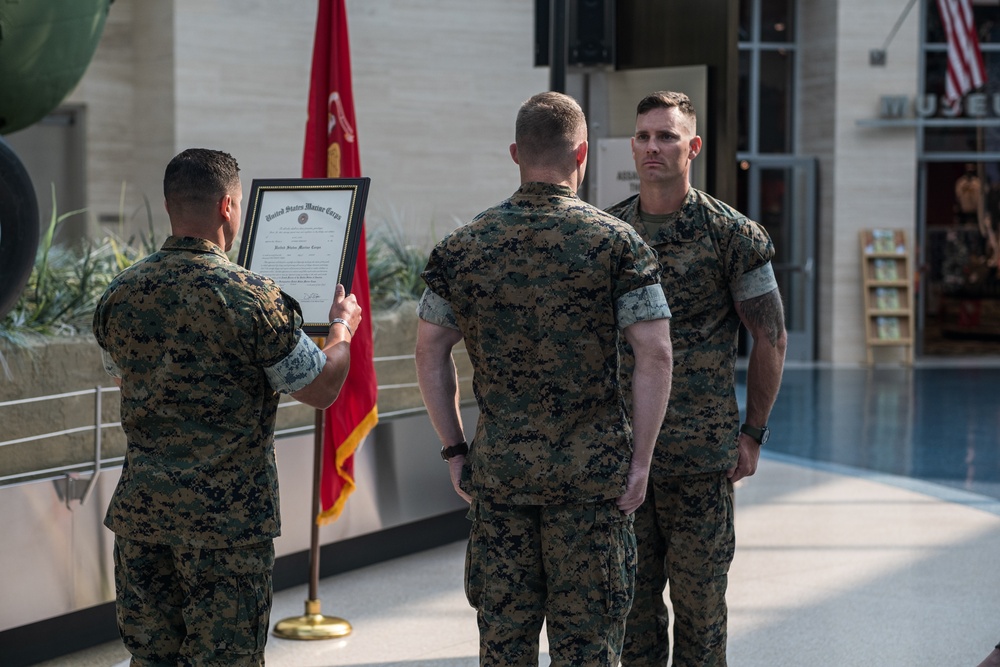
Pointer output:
65, 365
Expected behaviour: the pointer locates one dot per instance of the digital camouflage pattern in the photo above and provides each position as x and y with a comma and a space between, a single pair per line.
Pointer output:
533, 284
711, 256
572, 566
190, 334
685, 528
709, 252
190, 606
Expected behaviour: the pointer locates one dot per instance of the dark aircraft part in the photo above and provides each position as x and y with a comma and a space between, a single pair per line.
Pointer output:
45, 47
18, 227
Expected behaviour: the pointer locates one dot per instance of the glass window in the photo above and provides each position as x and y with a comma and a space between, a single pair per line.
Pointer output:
746, 21
776, 73
985, 16
979, 104
766, 77
743, 110
777, 21
936, 67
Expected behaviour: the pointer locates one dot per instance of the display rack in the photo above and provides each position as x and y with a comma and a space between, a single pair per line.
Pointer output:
888, 291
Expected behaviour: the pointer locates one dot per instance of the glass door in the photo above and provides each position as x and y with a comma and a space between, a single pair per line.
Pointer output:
780, 193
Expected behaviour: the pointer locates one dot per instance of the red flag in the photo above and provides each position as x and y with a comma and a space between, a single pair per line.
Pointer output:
331, 151
965, 61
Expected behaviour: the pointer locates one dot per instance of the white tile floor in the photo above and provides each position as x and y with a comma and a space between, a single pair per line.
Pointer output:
834, 567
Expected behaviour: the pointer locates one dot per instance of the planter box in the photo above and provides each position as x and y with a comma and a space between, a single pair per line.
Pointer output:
66, 365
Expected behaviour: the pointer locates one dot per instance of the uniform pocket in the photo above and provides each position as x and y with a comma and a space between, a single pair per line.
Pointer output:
620, 563
475, 558
240, 597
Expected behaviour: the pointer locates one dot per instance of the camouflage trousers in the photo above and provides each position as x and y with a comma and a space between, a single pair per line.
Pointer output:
193, 607
685, 535
571, 566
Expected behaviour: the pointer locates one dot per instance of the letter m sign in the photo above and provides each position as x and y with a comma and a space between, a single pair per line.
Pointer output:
893, 106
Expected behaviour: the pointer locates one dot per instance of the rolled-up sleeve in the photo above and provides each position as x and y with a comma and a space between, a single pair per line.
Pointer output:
299, 368
110, 366
755, 283
434, 309
645, 303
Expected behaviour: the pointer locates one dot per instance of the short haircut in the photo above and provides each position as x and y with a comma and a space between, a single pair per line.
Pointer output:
548, 129
199, 176
666, 99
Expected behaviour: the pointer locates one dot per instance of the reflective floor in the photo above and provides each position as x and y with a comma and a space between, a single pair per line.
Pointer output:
938, 424
870, 537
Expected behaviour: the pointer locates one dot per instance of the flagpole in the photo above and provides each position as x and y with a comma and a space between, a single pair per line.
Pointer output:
331, 151
313, 624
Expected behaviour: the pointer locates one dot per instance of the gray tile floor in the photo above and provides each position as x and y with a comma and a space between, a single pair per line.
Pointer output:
870, 536
835, 566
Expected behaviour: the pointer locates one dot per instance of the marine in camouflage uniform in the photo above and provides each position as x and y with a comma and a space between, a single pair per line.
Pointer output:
201, 347
539, 287
716, 267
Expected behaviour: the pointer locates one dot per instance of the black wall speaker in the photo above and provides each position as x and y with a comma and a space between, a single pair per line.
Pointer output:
590, 32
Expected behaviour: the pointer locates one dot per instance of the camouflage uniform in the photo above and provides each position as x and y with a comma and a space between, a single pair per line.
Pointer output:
711, 256
540, 286
202, 347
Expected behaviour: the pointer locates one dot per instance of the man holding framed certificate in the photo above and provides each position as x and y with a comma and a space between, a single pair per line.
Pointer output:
201, 348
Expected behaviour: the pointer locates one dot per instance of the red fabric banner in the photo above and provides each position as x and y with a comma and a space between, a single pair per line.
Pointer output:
331, 151
965, 60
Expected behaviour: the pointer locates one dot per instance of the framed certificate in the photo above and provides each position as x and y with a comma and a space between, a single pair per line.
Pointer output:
303, 233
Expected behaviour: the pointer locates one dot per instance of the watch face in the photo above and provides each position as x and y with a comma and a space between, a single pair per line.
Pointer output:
765, 433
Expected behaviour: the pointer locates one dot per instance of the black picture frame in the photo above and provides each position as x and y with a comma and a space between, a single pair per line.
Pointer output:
304, 234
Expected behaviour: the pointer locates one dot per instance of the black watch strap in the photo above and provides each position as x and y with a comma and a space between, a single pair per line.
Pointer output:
460, 449
759, 434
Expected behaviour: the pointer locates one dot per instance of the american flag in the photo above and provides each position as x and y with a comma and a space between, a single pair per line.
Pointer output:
965, 61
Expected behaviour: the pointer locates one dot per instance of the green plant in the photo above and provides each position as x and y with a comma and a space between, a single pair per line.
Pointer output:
66, 283
394, 267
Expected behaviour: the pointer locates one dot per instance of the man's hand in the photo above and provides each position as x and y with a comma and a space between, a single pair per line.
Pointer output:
345, 307
749, 455
324, 389
635, 490
455, 465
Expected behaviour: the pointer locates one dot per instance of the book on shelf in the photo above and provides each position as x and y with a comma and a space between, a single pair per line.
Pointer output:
886, 298
885, 241
887, 328
885, 269
882, 240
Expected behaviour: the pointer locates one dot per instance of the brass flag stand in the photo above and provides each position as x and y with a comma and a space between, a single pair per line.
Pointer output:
313, 624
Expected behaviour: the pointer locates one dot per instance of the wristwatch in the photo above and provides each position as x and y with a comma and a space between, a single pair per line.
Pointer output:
759, 434
460, 449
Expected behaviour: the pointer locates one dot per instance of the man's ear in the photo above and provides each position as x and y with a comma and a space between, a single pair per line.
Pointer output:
695, 147
226, 207
581, 152
513, 153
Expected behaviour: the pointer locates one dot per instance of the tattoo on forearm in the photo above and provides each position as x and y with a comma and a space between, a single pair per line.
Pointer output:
765, 313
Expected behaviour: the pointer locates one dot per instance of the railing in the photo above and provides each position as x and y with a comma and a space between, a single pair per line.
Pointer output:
71, 473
